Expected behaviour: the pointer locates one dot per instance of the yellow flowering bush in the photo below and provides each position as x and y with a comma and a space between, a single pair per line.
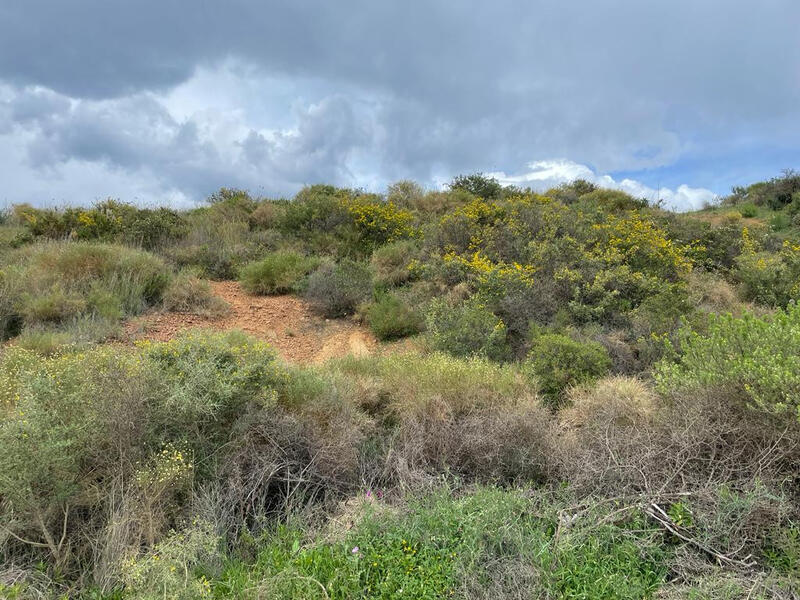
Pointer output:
770, 278
377, 222
465, 228
637, 242
345, 221
489, 277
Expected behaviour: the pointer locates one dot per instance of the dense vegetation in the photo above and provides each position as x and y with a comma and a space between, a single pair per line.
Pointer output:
599, 399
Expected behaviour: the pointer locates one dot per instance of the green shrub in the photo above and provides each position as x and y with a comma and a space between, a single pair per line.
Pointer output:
389, 318
345, 222
467, 329
406, 194
472, 418
336, 289
60, 434
558, 362
758, 357
108, 221
748, 210
230, 204
405, 384
479, 185
277, 273
768, 278
75, 426
220, 248
190, 294
53, 305
315, 208
153, 229
614, 200
780, 221
212, 375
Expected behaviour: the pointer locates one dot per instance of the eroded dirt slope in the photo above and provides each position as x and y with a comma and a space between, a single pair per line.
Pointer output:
286, 322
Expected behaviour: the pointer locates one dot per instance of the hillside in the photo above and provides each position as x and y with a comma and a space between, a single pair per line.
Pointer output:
477, 392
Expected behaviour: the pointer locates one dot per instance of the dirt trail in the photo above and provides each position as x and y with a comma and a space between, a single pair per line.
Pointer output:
286, 322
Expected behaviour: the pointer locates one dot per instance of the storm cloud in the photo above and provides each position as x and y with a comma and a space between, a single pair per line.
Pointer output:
166, 101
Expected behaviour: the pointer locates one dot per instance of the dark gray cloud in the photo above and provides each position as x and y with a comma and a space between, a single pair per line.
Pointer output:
272, 95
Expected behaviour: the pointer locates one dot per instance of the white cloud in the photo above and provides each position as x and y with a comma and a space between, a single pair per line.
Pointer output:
544, 174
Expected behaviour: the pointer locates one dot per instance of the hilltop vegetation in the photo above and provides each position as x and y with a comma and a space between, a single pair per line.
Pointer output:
600, 398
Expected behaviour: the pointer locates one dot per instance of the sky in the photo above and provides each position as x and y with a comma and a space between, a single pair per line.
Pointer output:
165, 101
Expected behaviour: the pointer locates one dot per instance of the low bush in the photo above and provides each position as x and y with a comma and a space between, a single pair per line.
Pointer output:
392, 263
409, 384
78, 334
390, 318
267, 215
171, 566
758, 358
221, 248
108, 221
467, 329
158, 418
336, 289
473, 418
614, 200
748, 210
619, 438
766, 278
277, 273
153, 229
190, 294
558, 362
56, 282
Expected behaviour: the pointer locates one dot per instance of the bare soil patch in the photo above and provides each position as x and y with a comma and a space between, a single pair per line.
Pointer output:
286, 322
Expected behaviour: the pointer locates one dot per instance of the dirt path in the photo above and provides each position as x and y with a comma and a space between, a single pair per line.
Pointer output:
286, 322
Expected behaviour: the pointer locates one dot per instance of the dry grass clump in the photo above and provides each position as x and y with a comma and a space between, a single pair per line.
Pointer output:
710, 293
391, 263
56, 282
267, 215
730, 586
471, 418
188, 293
619, 400
279, 461
411, 384
713, 473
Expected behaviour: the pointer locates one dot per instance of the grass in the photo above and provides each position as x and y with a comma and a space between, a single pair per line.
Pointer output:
489, 541
78, 334
277, 273
58, 282
406, 383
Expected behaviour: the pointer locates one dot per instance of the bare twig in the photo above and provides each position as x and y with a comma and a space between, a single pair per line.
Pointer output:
663, 519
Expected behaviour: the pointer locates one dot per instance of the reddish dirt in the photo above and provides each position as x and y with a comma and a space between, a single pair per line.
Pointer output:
286, 322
